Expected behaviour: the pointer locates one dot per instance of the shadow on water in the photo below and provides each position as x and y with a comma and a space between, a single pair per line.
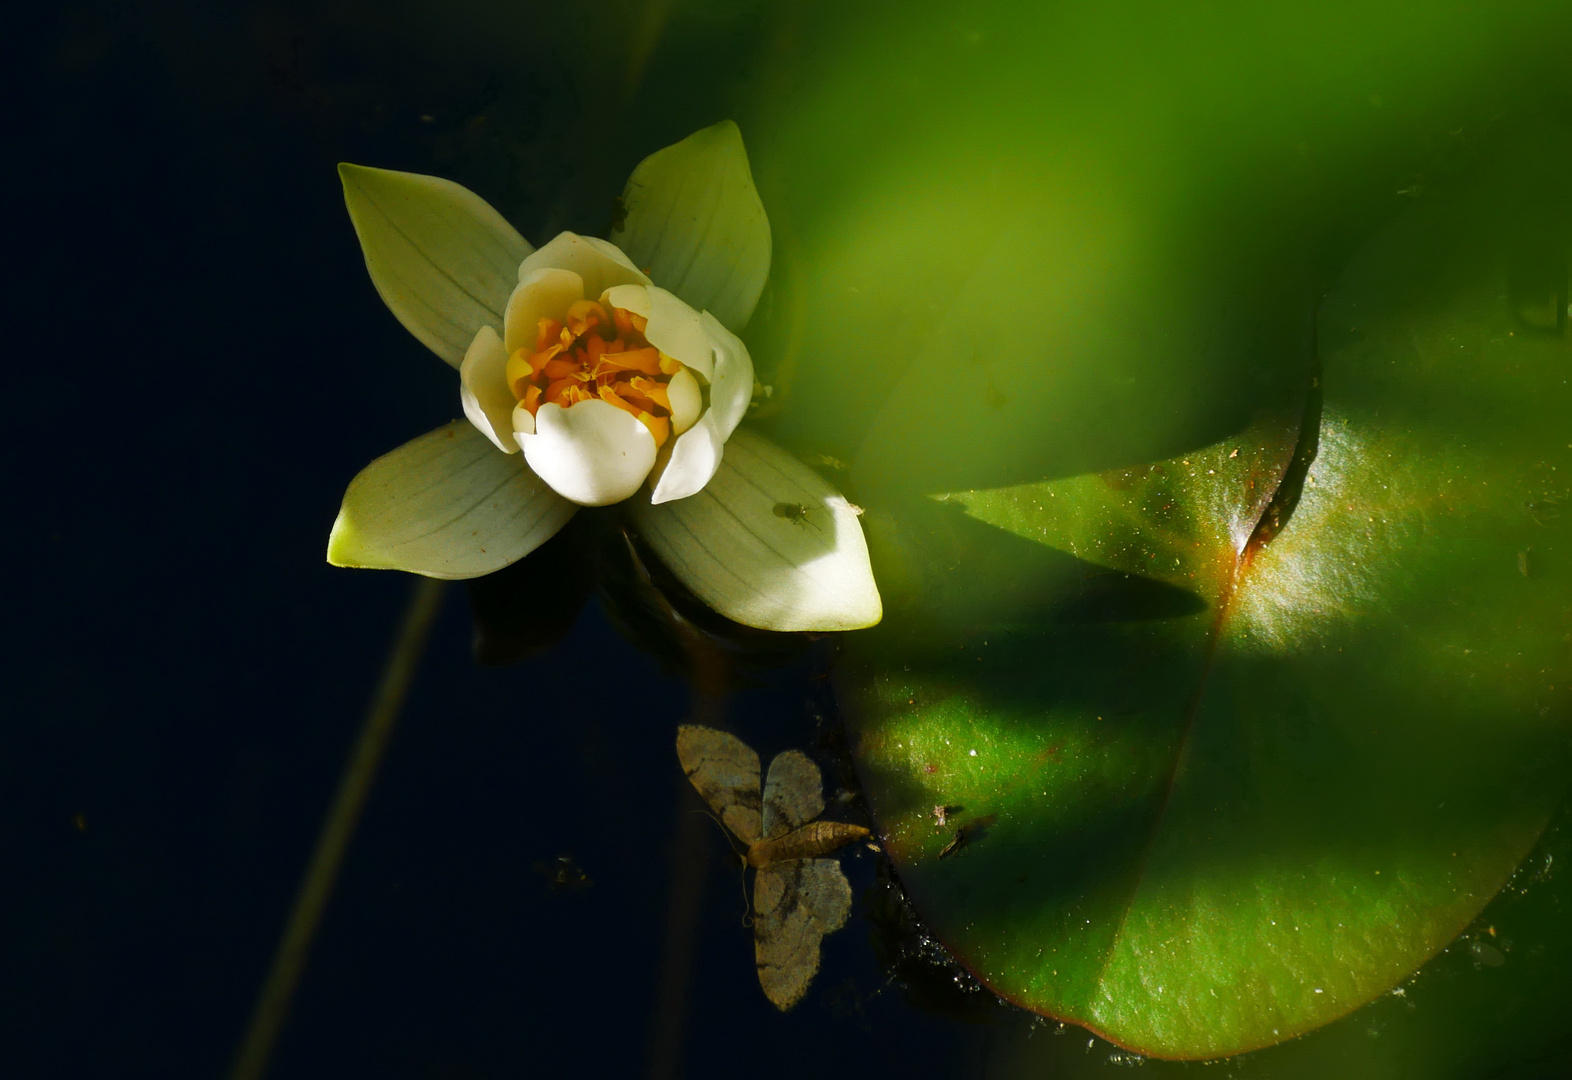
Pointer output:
946, 576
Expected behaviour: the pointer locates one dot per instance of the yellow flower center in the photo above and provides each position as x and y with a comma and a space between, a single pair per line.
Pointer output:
590, 355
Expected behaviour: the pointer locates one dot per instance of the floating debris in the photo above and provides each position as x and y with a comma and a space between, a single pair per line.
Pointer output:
967, 834
1546, 511
798, 897
564, 873
1486, 955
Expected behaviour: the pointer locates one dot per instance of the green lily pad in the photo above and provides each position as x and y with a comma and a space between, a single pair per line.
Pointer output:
1231, 742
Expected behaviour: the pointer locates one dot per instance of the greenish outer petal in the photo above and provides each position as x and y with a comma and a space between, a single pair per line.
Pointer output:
442, 259
695, 223
767, 543
1217, 792
447, 505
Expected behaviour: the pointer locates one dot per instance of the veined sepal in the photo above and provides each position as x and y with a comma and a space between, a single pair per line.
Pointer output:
695, 222
446, 505
766, 543
441, 258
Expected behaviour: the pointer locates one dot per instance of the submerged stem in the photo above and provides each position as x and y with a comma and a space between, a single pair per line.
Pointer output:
272, 1006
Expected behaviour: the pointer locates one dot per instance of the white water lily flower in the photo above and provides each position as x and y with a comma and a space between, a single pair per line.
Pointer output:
617, 384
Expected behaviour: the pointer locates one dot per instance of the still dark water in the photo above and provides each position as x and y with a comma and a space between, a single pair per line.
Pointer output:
197, 366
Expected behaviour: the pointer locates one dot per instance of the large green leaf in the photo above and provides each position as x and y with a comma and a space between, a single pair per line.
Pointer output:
1239, 738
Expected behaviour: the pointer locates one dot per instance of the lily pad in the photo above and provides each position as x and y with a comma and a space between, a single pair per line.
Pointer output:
1229, 743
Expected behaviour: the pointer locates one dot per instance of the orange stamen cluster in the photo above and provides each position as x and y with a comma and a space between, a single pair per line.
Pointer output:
590, 355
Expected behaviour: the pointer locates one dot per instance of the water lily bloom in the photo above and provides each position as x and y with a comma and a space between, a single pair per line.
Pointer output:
587, 381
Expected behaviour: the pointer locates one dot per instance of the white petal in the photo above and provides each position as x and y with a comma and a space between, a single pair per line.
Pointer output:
523, 421
541, 294
758, 567
731, 387
634, 298
678, 331
600, 263
483, 388
592, 453
695, 220
687, 400
445, 505
695, 455
443, 260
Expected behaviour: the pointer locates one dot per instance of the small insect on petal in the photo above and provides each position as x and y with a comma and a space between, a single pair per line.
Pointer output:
795, 513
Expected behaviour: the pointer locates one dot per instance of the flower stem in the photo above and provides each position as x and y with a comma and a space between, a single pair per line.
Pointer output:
289, 960
690, 860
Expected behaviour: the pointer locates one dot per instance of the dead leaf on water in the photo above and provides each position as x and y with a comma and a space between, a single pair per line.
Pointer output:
798, 897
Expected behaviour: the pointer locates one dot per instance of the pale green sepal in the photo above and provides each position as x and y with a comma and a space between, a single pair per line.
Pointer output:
695, 224
443, 260
767, 543
447, 505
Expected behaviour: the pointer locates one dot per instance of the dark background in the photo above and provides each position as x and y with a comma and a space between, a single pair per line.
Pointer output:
197, 365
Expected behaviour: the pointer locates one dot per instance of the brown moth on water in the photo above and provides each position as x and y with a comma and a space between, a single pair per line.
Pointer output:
798, 897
